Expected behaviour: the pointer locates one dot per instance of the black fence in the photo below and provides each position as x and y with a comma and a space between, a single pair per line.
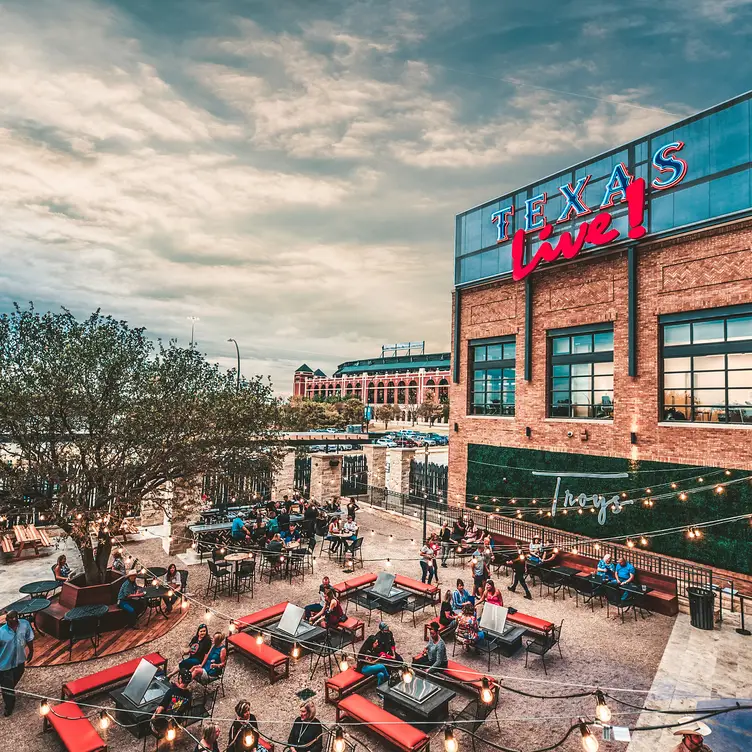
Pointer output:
429, 479
221, 487
436, 511
354, 475
302, 479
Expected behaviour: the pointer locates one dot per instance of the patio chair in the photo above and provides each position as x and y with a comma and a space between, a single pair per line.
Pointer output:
244, 577
84, 629
366, 602
220, 580
622, 602
541, 645
357, 552
474, 715
589, 591
417, 603
551, 581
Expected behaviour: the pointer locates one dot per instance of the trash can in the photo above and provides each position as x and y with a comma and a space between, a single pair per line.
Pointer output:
701, 602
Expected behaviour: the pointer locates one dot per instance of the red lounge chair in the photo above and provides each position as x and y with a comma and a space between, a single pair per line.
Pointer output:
109, 676
262, 655
73, 728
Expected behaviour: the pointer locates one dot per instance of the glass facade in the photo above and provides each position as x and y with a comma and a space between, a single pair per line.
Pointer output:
717, 148
707, 366
581, 375
492, 380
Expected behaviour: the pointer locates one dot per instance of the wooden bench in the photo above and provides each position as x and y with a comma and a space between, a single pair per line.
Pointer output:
341, 685
109, 676
26, 537
45, 539
432, 592
259, 618
262, 655
396, 731
362, 581
459, 675
73, 728
9, 545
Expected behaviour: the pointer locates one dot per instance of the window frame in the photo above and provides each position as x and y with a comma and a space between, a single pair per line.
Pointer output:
693, 350
570, 359
485, 365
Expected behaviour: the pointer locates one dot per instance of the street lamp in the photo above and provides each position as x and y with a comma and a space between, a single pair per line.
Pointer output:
237, 350
193, 320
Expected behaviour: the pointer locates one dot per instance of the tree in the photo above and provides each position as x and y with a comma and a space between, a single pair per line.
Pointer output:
96, 418
306, 415
430, 409
387, 413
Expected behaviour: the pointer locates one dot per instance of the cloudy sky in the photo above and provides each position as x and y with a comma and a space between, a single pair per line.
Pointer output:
289, 171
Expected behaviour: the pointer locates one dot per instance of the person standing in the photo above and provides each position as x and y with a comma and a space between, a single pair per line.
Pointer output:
479, 566
445, 536
16, 647
352, 507
519, 568
426, 562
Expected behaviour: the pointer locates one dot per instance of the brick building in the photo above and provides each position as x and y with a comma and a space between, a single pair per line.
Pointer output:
628, 356
402, 380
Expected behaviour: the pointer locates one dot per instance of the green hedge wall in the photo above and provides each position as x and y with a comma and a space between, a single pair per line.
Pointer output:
505, 473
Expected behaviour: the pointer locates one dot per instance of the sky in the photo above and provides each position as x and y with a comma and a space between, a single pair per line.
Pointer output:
289, 172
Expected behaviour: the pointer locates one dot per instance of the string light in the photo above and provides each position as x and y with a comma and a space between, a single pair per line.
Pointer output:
249, 739
296, 650
719, 489
674, 486
643, 541
597, 546
589, 742
339, 740
407, 674
260, 638
682, 496
727, 472
44, 707
701, 480
104, 720
233, 628
343, 664
630, 543
602, 711
486, 693
207, 613
171, 733
450, 743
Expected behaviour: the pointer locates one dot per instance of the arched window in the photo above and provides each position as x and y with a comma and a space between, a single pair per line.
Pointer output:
431, 387
380, 393
401, 396
412, 392
371, 394
390, 393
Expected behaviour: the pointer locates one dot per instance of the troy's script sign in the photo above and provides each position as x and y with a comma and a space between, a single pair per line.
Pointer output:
621, 186
604, 505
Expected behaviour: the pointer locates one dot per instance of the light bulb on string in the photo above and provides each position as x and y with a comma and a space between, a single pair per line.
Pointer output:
339, 740
486, 693
184, 603
719, 489
674, 486
579, 511
104, 720
407, 674
701, 480
589, 742
295, 650
388, 563
602, 711
249, 739
597, 546
648, 491
623, 494
233, 628
450, 742
260, 638
343, 664
630, 543
44, 707
171, 733
207, 613
643, 541
727, 472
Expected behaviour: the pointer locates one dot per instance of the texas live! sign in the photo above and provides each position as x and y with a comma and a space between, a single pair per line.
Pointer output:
597, 231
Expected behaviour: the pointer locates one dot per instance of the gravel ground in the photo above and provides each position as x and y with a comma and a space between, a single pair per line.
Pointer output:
596, 651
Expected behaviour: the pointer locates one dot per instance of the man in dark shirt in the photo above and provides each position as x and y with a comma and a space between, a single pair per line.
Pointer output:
176, 702
283, 520
519, 568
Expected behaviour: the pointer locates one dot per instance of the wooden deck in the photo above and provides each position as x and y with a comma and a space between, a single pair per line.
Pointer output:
51, 652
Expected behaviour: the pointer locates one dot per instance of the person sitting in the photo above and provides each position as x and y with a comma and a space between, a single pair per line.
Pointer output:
468, 631
334, 535
491, 594
130, 597
693, 735
458, 530
332, 614
272, 525
605, 568
536, 550
387, 648
446, 613
240, 532
287, 503
307, 733
174, 581
292, 534
550, 553
312, 609
274, 547
118, 563
367, 661
214, 662
469, 536
245, 722
209, 739
175, 703
460, 597
283, 519
61, 570
624, 573
434, 655
200, 645
258, 534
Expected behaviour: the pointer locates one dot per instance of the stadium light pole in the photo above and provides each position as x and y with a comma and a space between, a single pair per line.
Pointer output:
237, 350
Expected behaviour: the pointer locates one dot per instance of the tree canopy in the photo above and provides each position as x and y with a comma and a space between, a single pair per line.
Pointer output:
304, 415
95, 417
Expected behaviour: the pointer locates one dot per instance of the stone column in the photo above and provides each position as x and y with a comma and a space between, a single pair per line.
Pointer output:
326, 477
284, 478
376, 463
153, 506
186, 511
398, 476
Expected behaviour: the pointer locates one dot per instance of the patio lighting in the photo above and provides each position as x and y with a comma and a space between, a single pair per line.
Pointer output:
104, 720
450, 743
407, 674
249, 740
343, 664
44, 707
719, 489
339, 740
602, 711
260, 638
171, 733
207, 613
233, 628
682, 496
643, 541
486, 693
589, 742
296, 650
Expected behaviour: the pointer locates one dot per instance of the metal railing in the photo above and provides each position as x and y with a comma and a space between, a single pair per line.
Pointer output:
686, 573
354, 475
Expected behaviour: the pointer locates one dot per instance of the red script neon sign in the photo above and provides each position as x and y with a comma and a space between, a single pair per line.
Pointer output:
597, 232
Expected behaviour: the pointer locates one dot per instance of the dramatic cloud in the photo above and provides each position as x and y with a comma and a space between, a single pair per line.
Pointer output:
291, 174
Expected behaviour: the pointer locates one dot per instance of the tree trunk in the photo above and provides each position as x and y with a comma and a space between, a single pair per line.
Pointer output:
91, 568
103, 559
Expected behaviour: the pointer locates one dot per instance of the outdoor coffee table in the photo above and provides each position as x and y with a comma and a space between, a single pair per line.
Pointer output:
84, 612
506, 644
392, 603
28, 608
40, 588
566, 571
421, 702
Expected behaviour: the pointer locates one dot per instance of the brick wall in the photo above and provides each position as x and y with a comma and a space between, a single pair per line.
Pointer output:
704, 270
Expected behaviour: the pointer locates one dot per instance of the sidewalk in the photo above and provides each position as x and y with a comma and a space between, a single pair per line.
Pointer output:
697, 669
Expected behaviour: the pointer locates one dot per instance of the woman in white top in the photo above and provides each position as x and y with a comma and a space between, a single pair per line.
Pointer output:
174, 581
536, 550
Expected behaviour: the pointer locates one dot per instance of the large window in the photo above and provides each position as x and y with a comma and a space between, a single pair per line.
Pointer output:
581, 375
707, 366
492, 379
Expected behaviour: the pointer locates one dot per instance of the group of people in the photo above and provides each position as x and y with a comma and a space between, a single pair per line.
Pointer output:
132, 597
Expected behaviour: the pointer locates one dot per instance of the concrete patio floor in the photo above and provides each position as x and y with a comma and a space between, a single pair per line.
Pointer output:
597, 652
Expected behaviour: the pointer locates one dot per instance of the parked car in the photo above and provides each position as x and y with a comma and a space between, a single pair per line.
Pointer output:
384, 442
405, 443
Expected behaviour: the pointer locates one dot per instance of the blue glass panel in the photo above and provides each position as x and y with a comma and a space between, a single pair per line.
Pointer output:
730, 193
603, 167
488, 230
470, 269
593, 193
662, 212
472, 232
504, 253
489, 263
729, 137
692, 204
696, 151
641, 151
